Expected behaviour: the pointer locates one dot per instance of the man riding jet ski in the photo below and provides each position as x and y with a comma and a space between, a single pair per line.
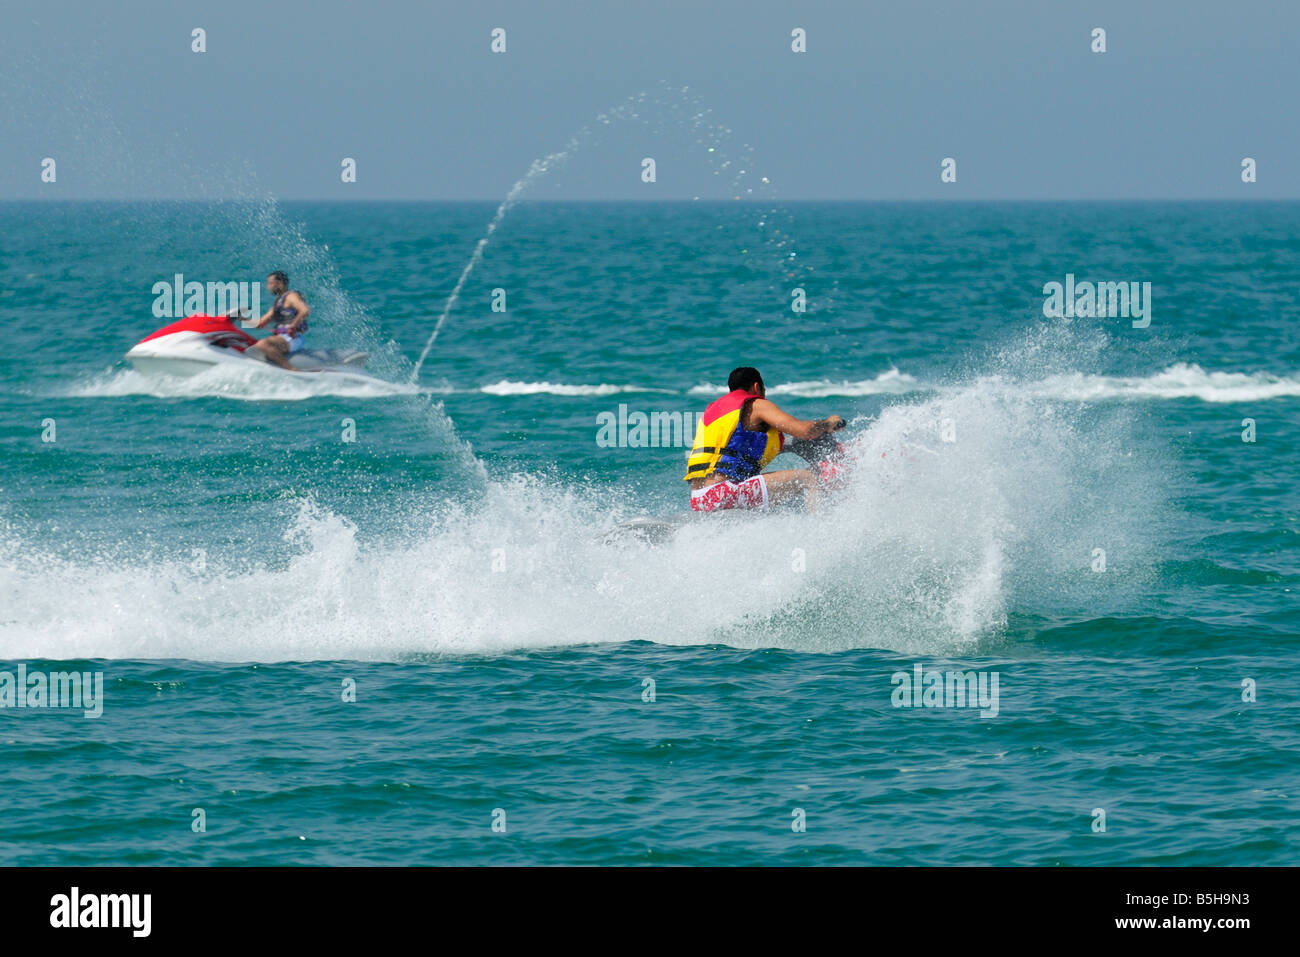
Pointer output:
198, 343
289, 312
740, 434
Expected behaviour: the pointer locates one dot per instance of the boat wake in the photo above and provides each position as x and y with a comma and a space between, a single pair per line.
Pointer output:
248, 381
1179, 381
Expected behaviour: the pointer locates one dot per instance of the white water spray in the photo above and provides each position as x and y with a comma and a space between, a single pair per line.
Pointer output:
536, 169
688, 111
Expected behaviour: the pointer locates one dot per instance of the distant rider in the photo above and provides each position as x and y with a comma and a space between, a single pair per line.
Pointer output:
289, 313
738, 435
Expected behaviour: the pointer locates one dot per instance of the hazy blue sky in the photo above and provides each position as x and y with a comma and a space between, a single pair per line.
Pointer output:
411, 90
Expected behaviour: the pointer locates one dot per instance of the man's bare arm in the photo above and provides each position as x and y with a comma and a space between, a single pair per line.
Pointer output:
765, 412
295, 301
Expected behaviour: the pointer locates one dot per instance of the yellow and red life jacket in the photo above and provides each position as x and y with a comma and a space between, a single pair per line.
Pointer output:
723, 444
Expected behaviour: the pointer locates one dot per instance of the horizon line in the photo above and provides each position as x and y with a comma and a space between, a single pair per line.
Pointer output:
645, 202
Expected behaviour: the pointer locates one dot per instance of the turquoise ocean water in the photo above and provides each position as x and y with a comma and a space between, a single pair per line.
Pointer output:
1069, 504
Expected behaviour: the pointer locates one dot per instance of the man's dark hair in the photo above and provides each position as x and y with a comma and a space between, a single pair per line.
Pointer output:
743, 378
280, 275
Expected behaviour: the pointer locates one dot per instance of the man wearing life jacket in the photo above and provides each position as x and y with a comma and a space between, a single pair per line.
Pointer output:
289, 313
737, 437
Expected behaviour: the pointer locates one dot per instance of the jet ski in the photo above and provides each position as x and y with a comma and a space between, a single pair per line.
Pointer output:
197, 343
831, 459
648, 529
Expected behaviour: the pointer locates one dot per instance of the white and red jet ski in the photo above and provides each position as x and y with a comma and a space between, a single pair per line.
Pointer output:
198, 343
